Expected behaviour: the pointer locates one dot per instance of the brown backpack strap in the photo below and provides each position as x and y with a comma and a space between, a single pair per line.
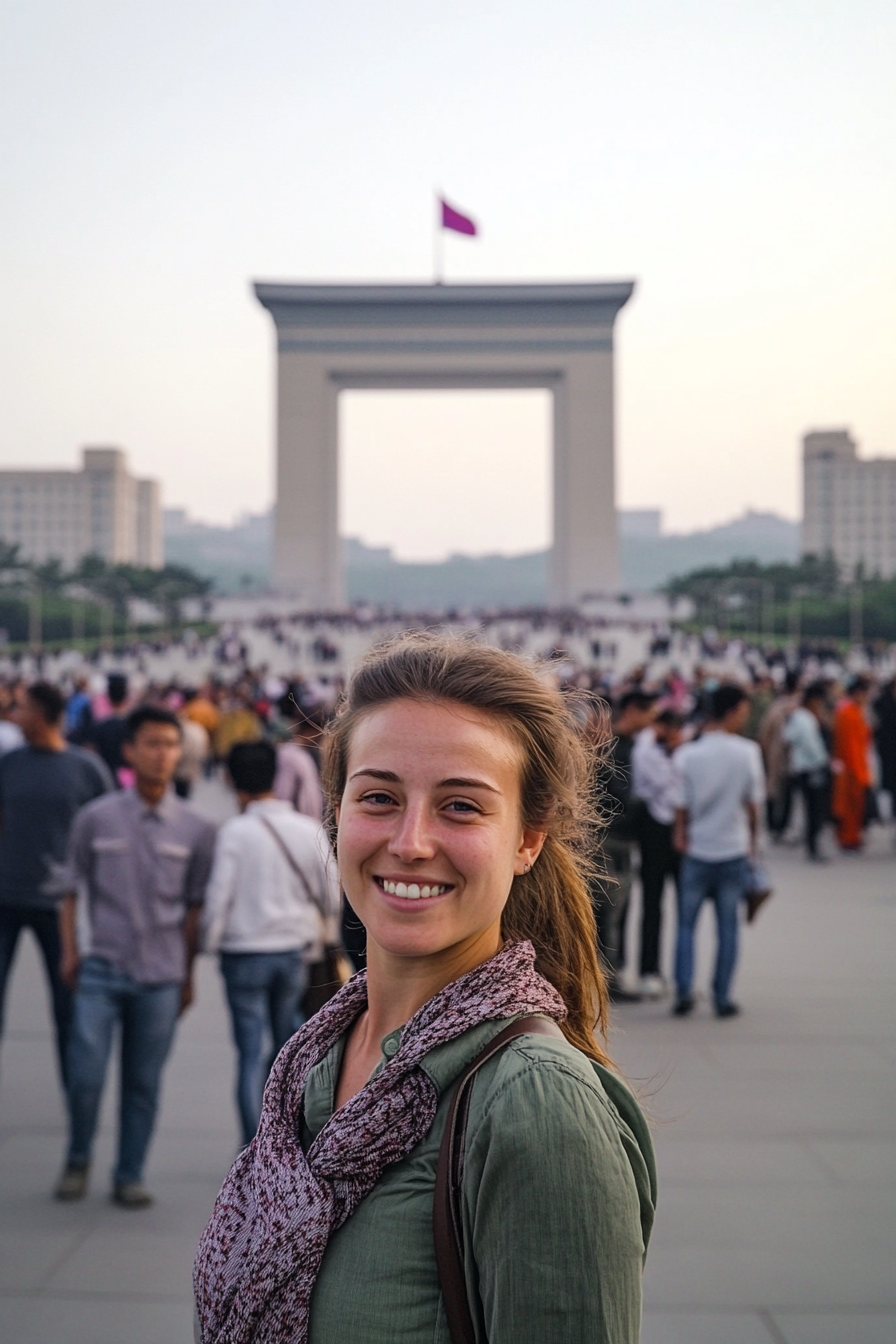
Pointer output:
446, 1215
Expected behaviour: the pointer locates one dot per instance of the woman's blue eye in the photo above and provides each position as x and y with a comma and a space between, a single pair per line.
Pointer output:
459, 805
377, 798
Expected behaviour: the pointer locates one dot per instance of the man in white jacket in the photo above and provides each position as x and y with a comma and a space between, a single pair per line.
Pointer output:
273, 898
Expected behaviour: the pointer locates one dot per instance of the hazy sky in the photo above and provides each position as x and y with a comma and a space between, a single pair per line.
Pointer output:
736, 159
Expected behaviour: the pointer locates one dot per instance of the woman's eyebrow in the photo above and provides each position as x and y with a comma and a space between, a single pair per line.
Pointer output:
467, 784
390, 777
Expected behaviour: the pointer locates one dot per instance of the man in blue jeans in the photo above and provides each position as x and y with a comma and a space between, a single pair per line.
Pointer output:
273, 896
721, 787
139, 861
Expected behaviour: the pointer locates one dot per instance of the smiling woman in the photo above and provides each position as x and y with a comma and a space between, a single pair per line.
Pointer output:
459, 796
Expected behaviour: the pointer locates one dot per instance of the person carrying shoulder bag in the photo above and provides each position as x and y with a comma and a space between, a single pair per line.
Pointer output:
459, 793
272, 906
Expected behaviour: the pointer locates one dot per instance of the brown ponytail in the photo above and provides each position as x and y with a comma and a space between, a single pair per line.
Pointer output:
550, 905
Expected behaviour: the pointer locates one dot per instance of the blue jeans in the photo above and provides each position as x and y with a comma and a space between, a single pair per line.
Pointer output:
264, 991
725, 884
148, 1016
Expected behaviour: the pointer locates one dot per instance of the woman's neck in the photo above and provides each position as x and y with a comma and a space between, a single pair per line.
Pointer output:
398, 987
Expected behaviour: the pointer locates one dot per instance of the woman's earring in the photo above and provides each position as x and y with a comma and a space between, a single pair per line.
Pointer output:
527, 867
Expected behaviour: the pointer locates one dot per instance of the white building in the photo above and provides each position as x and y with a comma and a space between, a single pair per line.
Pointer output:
849, 504
640, 524
101, 510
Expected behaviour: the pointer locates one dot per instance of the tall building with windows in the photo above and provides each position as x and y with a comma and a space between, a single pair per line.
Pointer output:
101, 510
849, 504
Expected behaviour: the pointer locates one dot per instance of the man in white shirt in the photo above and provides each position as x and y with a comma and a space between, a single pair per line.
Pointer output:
721, 788
272, 899
810, 762
655, 781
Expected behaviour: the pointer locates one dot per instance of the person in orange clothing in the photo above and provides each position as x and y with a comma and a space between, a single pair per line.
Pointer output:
850, 764
200, 707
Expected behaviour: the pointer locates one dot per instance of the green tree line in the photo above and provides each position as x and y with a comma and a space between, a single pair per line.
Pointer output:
809, 599
45, 603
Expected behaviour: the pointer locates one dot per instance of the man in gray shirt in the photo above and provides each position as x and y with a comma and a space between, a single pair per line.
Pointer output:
139, 860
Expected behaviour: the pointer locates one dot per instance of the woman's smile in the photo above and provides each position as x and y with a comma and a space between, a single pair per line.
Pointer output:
409, 888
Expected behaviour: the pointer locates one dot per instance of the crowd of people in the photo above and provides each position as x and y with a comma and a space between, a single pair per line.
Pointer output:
701, 772
122, 882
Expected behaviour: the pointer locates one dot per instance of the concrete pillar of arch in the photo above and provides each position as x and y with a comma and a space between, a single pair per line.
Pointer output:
307, 559
585, 553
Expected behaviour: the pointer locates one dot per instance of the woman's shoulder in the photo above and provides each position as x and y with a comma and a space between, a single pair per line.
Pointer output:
547, 1104
545, 1073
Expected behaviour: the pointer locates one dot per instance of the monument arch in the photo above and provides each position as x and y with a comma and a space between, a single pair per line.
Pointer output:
334, 337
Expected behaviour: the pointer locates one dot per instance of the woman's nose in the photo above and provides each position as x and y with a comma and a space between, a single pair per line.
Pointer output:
412, 838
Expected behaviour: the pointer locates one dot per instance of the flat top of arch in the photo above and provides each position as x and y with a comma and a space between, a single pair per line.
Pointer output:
573, 292
573, 302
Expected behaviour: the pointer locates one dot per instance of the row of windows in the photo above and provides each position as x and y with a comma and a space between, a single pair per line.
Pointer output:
16, 511
847, 530
39, 525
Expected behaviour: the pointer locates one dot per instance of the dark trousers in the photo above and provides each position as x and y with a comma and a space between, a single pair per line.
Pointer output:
44, 924
658, 861
610, 900
814, 785
778, 807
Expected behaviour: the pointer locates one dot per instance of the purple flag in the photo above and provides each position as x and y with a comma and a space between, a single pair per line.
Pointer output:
453, 219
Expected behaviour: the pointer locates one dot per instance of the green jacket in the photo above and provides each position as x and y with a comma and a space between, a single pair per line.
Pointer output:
558, 1200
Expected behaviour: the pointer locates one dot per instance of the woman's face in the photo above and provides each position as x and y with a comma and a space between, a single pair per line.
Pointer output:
430, 834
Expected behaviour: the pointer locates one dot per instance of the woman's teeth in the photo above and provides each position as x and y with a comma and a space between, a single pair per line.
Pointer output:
410, 891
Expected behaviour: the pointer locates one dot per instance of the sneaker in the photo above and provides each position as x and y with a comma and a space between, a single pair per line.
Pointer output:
652, 986
132, 1195
727, 1010
72, 1184
684, 1006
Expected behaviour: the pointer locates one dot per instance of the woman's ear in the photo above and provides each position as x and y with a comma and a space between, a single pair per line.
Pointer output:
531, 845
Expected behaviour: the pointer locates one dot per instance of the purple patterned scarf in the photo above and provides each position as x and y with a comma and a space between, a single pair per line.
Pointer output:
261, 1252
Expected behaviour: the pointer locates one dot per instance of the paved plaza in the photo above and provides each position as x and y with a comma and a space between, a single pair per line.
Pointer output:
776, 1136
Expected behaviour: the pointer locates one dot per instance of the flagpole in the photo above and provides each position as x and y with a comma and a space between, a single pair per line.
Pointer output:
438, 243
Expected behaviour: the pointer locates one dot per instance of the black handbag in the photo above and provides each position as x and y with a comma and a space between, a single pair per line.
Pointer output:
325, 978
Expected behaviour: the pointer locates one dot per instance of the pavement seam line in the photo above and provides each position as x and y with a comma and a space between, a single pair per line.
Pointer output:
771, 1326
66, 1254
